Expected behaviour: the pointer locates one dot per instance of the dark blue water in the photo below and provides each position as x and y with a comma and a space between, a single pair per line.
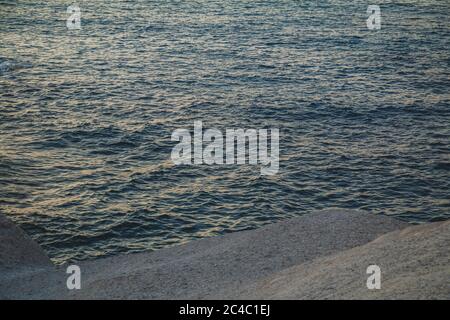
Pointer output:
86, 116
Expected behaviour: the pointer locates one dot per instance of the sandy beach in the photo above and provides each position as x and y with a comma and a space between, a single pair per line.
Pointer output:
322, 255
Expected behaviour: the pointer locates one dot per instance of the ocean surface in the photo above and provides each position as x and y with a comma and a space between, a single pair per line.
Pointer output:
86, 116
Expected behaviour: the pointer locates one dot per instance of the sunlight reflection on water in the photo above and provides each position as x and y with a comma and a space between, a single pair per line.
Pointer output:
86, 116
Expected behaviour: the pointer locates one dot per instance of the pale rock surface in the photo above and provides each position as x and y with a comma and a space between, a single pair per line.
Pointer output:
319, 255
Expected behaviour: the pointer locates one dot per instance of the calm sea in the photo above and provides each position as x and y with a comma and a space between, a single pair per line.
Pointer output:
86, 116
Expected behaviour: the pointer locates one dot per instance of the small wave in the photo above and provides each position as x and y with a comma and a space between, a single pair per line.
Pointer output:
7, 65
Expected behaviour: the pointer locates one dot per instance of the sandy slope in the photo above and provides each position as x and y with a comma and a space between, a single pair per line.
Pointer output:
17, 250
320, 255
414, 262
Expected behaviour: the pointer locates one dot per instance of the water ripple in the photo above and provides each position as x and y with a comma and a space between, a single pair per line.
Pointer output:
86, 116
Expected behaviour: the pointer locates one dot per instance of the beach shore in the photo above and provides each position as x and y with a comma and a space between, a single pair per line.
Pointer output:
322, 255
